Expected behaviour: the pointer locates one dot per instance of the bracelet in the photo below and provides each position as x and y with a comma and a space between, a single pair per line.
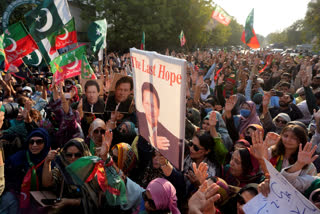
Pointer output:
112, 122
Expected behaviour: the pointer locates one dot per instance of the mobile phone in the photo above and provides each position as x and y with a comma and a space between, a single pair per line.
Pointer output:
48, 202
279, 93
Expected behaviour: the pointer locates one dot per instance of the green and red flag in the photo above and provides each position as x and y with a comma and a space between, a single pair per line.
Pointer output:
97, 34
86, 70
248, 35
47, 18
66, 36
17, 42
182, 39
221, 15
67, 65
87, 168
3, 58
143, 41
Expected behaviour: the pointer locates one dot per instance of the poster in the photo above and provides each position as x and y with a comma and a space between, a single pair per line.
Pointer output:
283, 198
159, 90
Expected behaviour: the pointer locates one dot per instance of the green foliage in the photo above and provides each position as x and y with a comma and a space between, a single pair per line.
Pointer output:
312, 21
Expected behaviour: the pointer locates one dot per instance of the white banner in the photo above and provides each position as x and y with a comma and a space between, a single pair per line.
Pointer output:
283, 198
159, 89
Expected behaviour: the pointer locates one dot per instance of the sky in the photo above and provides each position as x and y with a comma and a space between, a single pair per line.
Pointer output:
269, 15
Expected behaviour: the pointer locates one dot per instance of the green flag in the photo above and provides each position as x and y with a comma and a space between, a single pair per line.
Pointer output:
33, 59
68, 64
47, 18
86, 70
97, 34
143, 41
3, 58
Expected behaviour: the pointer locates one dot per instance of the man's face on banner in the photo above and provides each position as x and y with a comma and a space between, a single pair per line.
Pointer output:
92, 94
150, 105
122, 92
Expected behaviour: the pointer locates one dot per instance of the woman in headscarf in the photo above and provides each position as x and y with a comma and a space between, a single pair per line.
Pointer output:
73, 198
96, 130
276, 124
243, 169
23, 170
237, 124
124, 157
204, 92
125, 132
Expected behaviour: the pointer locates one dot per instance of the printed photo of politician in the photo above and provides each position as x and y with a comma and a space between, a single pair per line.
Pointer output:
151, 129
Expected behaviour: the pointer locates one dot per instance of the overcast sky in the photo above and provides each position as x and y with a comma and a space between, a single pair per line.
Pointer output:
269, 15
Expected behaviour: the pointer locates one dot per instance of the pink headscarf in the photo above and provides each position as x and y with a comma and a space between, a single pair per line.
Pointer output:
252, 119
164, 195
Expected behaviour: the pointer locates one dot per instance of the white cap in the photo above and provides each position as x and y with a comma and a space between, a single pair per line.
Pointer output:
27, 88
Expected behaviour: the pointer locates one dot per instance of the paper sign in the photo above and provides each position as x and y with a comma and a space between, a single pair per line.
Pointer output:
159, 90
283, 198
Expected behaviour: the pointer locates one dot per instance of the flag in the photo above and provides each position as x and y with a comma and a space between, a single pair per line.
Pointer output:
221, 15
86, 70
3, 58
46, 48
33, 59
67, 35
97, 34
67, 65
47, 18
248, 35
143, 42
17, 42
182, 38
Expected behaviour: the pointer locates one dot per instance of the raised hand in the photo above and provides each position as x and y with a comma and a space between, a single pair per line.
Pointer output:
305, 155
266, 99
264, 187
213, 119
272, 138
258, 149
52, 155
316, 115
220, 79
230, 103
106, 143
203, 200
200, 172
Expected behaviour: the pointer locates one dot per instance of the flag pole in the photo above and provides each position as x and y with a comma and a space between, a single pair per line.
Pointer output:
25, 65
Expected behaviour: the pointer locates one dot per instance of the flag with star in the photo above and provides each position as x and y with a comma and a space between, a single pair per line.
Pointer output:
47, 18
17, 42
67, 65
221, 15
86, 70
33, 59
97, 34
3, 59
66, 35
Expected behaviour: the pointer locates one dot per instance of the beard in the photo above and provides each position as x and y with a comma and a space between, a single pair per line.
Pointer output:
283, 104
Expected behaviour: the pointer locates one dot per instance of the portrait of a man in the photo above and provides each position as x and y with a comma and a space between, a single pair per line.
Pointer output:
152, 129
121, 97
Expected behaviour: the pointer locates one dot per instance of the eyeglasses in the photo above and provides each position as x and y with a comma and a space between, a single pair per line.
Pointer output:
150, 201
195, 147
38, 141
76, 155
102, 131
281, 121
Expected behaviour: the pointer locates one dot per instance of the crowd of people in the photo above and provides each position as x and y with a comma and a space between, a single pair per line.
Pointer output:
241, 108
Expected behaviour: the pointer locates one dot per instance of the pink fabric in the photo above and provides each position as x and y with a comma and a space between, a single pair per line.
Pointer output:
252, 119
164, 195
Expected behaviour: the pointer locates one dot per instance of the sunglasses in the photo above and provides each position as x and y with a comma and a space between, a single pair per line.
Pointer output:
38, 141
281, 121
195, 147
76, 155
102, 131
150, 201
